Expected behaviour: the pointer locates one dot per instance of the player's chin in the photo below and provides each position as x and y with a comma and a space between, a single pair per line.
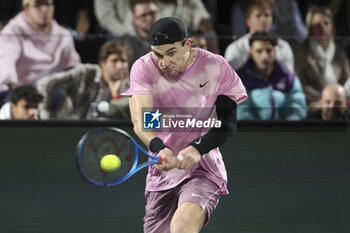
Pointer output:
171, 73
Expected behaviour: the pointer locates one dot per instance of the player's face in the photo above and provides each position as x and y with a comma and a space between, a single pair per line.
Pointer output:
263, 54
333, 104
321, 26
40, 13
145, 14
115, 67
24, 110
172, 58
259, 21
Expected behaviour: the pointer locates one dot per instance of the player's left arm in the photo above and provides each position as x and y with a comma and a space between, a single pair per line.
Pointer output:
226, 108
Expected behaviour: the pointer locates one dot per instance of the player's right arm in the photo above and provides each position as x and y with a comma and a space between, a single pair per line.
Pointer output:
137, 103
149, 137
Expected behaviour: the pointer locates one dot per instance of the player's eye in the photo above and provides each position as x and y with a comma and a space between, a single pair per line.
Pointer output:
172, 53
158, 56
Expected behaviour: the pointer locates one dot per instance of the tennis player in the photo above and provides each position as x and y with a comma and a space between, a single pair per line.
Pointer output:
183, 191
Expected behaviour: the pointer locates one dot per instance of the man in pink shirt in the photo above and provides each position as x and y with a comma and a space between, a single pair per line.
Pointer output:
33, 45
182, 192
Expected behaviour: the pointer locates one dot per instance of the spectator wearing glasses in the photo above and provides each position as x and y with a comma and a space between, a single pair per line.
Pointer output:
144, 14
129, 20
116, 16
33, 45
195, 16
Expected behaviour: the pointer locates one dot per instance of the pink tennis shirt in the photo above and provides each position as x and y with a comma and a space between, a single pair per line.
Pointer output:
196, 87
27, 55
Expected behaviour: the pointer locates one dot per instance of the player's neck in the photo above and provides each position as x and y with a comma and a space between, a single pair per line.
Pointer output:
191, 58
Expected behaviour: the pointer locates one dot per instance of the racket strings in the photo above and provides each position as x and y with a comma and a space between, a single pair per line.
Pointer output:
102, 143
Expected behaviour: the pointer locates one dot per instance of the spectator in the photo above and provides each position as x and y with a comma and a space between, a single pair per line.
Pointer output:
144, 14
89, 91
340, 10
199, 40
274, 92
288, 21
195, 17
114, 16
320, 60
258, 19
332, 105
33, 45
24, 104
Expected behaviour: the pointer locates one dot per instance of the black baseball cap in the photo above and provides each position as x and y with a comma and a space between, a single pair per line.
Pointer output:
167, 30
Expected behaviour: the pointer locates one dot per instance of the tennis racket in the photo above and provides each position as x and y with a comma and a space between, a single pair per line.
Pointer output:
103, 141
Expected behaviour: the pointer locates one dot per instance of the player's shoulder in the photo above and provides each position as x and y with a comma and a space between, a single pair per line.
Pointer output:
208, 56
144, 64
146, 59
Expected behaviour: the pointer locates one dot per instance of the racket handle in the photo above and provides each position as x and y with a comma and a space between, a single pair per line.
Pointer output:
160, 160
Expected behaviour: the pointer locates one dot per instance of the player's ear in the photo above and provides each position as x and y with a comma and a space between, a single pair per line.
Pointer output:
188, 43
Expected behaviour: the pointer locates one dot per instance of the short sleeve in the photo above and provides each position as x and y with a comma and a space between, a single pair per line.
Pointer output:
230, 82
141, 81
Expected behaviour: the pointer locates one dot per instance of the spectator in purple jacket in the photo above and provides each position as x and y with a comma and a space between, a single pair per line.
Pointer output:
274, 92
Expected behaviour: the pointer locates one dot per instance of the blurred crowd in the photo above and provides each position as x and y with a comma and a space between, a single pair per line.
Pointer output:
70, 60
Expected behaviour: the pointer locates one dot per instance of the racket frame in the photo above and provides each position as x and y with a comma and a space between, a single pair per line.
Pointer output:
135, 167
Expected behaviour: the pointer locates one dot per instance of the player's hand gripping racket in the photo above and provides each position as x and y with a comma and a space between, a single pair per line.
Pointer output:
95, 144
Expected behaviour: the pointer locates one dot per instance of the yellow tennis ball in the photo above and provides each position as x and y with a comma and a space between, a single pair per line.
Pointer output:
110, 163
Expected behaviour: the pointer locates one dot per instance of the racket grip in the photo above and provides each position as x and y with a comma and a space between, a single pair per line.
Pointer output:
160, 160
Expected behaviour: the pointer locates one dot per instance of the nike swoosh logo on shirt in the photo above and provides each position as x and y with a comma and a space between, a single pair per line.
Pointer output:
199, 141
202, 85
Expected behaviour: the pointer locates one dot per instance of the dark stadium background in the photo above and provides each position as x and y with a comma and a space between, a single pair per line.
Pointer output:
283, 178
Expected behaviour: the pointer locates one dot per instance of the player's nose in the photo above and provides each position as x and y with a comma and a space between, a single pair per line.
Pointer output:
165, 63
